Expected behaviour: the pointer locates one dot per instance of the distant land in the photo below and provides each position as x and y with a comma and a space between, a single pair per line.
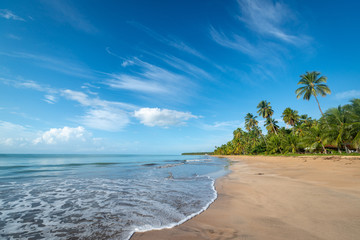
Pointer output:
198, 153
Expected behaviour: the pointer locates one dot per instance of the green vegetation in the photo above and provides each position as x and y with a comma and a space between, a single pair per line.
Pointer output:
198, 153
336, 132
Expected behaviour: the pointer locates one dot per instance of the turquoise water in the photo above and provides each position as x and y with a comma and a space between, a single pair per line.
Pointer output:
102, 196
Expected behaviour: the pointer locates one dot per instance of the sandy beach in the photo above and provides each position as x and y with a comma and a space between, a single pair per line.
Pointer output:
279, 198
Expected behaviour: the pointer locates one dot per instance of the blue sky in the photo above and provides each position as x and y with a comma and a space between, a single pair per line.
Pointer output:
163, 76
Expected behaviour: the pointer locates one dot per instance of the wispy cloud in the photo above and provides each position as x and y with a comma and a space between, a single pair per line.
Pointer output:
150, 79
268, 18
66, 12
222, 126
126, 62
184, 66
65, 66
170, 41
162, 117
100, 114
50, 99
235, 42
13, 36
30, 84
12, 134
133, 83
7, 14
348, 94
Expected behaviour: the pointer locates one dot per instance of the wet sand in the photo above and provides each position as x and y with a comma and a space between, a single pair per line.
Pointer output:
279, 198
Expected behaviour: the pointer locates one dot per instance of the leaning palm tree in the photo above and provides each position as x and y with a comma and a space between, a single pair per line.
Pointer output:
266, 111
271, 125
250, 121
313, 86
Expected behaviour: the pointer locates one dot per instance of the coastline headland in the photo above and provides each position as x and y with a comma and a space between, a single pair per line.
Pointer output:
277, 197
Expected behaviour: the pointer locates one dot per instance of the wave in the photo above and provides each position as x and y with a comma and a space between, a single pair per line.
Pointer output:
62, 165
171, 165
149, 164
147, 228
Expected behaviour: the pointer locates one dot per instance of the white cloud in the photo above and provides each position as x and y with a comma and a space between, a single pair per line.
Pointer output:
6, 128
124, 81
348, 94
15, 138
268, 18
62, 135
162, 117
50, 99
87, 101
101, 114
14, 135
106, 119
126, 63
80, 97
7, 14
151, 79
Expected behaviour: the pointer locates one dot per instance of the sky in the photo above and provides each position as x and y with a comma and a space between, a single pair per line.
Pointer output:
164, 77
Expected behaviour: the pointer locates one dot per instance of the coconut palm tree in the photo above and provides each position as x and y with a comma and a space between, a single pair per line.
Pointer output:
313, 86
250, 121
290, 117
314, 137
339, 125
271, 125
266, 112
354, 110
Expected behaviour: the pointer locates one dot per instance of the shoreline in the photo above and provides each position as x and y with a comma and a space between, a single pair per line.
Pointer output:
171, 226
278, 197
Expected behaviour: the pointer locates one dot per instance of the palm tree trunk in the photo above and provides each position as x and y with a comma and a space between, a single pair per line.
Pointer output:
264, 139
319, 106
339, 150
324, 148
274, 128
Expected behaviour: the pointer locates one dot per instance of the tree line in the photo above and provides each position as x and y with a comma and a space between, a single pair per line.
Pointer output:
337, 130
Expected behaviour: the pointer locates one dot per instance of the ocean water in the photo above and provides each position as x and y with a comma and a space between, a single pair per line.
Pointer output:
102, 196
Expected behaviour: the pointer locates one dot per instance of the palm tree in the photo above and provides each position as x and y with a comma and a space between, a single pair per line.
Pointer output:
271, 125
290, 117
313, 86
314, 137
354, 110
339, 124
266, 111
250, 121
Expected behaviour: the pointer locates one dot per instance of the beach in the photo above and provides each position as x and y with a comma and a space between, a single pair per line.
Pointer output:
310, 197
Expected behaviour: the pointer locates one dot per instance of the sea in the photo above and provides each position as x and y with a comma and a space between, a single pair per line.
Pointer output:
102, 196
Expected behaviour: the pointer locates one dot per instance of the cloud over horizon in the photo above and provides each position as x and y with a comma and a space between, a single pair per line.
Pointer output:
162, 117
62, 135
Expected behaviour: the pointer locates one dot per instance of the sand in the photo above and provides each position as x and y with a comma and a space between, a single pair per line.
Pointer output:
279, 198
